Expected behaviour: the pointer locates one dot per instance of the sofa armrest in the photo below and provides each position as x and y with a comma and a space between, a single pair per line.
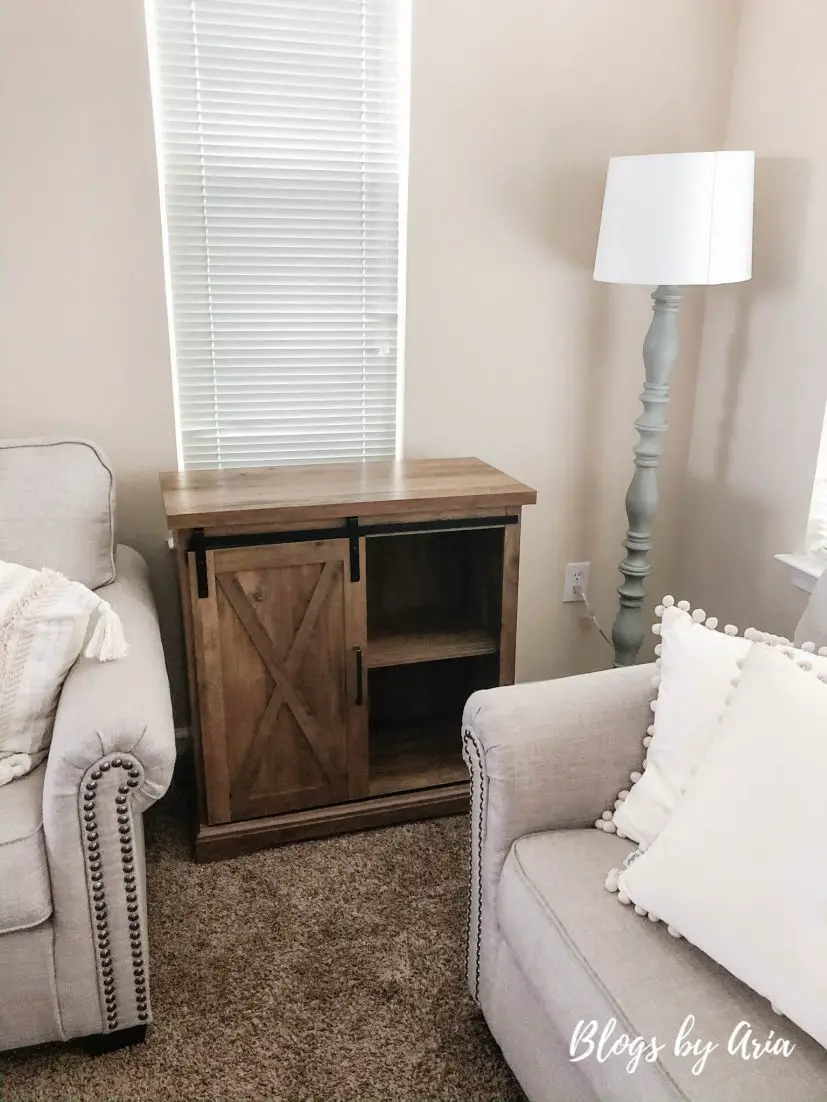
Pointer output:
119, 706
112, 755
548, 755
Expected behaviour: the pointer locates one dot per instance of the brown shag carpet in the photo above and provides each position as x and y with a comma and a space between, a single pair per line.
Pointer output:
326, 971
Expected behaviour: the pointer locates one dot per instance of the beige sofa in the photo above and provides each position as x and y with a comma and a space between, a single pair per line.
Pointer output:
73, 939
549, 947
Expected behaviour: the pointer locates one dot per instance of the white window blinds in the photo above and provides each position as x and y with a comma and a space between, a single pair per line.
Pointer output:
279, 135
817, 524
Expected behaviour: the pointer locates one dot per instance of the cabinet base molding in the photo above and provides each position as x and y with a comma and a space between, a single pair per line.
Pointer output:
214, 843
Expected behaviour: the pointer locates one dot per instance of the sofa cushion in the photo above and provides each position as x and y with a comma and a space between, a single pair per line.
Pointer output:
589, 959
57, 503
25, 891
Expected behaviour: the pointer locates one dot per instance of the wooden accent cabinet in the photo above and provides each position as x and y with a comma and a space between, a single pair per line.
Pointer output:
337, 618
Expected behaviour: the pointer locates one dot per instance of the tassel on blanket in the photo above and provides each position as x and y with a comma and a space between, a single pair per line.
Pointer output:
107, 642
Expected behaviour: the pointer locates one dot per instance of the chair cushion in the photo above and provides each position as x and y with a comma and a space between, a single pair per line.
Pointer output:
588, 958
25, 891
57, 505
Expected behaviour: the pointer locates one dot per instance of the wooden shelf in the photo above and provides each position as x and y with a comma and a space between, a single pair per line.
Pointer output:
417, 755
403, 648
379, 487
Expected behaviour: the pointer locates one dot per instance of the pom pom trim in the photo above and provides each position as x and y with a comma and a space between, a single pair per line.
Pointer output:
698, 616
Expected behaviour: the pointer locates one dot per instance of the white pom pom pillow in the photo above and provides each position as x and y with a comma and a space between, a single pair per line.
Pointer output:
45, 622
696, 667
737, 870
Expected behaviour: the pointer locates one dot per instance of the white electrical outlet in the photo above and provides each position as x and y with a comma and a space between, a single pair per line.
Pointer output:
576, 579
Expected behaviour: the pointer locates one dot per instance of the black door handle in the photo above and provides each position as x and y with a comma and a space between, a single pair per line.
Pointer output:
360, 695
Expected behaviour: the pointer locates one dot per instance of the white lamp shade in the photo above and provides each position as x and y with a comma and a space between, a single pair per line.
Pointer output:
677, 218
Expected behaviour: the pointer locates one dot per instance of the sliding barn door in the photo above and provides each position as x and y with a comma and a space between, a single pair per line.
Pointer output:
283, 724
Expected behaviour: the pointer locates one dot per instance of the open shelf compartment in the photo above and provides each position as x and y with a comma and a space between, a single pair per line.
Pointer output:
416, 722
433, 596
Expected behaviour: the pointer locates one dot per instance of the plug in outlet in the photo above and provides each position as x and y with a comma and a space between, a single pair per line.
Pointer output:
576, 579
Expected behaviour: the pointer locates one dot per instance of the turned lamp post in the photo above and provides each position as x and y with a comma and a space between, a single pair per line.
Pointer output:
668, 220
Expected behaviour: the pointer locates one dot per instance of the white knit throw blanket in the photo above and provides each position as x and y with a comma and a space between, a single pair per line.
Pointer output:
44, 622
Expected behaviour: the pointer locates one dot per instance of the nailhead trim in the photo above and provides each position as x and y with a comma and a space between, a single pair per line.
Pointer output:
94, 867
478, 794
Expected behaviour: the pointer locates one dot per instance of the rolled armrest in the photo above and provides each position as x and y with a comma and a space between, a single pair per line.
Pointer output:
124, 705
548, 755
112, 755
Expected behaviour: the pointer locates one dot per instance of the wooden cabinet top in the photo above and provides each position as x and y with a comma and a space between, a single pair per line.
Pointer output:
201, 499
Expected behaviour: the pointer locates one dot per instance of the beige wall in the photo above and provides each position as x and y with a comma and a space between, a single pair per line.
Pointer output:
763, 382
513, 353
83, 330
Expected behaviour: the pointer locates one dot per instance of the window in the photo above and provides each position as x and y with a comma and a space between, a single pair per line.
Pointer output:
817, 524
280, 133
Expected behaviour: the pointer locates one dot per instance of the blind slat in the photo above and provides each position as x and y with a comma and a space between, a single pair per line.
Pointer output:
278, 132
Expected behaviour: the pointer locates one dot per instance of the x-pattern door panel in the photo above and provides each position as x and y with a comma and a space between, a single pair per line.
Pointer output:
285, 620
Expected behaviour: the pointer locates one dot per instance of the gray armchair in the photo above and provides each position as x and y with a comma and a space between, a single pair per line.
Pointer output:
549, 949
74, 958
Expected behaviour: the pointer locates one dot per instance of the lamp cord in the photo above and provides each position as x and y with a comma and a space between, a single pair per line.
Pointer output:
582, 593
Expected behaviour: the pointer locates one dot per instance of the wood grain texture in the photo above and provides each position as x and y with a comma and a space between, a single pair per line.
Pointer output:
413, 756
215, 843
321, 743
285, 751
434, 645
265, 729
207, 636
282, 618
180, 539
428, 516
276, 526
264, 495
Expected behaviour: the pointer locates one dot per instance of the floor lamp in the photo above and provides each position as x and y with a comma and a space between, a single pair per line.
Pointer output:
669, 220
